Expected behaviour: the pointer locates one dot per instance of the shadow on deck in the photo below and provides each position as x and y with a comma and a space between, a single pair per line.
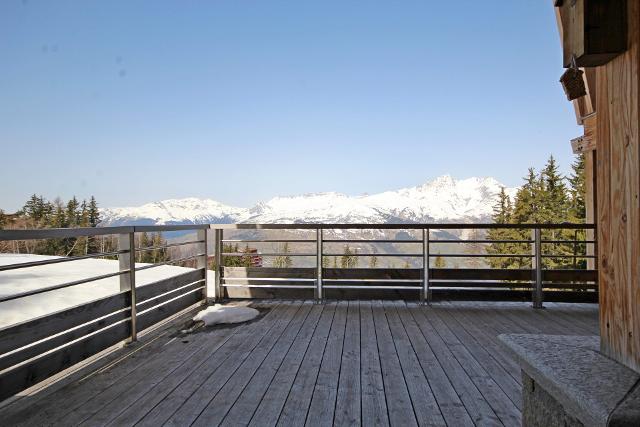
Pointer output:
342, 363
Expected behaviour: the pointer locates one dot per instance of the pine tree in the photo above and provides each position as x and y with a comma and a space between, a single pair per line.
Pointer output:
3, 219
555, 205
94, 214
555, 208
577, 191
502, 214
93, 217
373, 261
143, 242
348, 260
577, 209
283, 261
72, 213
440, 262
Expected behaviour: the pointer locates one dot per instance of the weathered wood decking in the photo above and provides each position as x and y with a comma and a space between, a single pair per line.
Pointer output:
343, 363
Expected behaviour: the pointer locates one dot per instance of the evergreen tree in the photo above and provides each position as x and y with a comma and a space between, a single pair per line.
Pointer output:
325, 262
527, 200
440, 262
158, 254
577, 209
554, 204
72, 214
373, 261
502, 214
94, 214
3, 219
348, 260
283, 261
555, 208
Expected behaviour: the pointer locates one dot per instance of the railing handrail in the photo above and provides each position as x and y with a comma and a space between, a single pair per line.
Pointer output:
60, 233
407, 226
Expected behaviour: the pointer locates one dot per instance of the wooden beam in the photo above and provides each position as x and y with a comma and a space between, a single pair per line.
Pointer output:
587, 142
585, 105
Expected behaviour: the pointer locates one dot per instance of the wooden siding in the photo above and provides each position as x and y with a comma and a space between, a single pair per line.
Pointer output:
618, 178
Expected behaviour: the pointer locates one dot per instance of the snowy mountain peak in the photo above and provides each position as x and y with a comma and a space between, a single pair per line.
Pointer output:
443, 199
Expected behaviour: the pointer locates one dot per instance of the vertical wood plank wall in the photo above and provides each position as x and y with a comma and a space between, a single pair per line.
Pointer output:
618, 181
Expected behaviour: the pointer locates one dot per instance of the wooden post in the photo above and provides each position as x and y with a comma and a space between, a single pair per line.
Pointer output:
218, 291
127, 261
318, 292
591, 202
425, 295
202, 262
537, 268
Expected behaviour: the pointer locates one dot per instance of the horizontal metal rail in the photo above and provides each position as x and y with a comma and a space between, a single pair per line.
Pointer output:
567, 256
265, 254
171, 261
406, 226
61, 286
57, 260
372, 241
479, 241
171, 245
373, 254
482, 255
268, 241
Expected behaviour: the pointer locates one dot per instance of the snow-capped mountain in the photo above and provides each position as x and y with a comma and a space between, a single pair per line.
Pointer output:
441, 200
173, 211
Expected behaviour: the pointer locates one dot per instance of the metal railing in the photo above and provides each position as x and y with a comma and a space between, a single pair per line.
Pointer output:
535, 279
35, 349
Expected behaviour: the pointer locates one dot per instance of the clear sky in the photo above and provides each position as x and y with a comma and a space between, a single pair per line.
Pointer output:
137, 101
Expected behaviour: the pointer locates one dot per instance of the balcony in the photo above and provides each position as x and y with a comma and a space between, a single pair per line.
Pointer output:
370, 345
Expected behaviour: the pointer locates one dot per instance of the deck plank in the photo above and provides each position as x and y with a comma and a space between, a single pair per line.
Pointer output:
348, 404
224, 360
479, 350
248, 401
399, 405
473, 400
198, 402
273, 401
451, 407
160, 392
255, 370
337, 363
323, 400
296, 407
373, 401
501, 402
486, 334
424, 402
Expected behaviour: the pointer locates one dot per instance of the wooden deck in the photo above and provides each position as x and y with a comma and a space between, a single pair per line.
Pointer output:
343, 363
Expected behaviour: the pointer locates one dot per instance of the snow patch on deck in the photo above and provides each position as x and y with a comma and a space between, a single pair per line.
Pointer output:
217, 314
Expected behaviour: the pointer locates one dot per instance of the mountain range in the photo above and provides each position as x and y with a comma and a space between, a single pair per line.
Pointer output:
442, 200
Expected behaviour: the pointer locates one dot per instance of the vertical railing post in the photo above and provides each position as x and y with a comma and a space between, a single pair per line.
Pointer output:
425, 294
537, 268
218, 293
127, 261
318, 292
202, 261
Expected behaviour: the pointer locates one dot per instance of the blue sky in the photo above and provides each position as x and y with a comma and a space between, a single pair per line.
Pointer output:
136, 101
